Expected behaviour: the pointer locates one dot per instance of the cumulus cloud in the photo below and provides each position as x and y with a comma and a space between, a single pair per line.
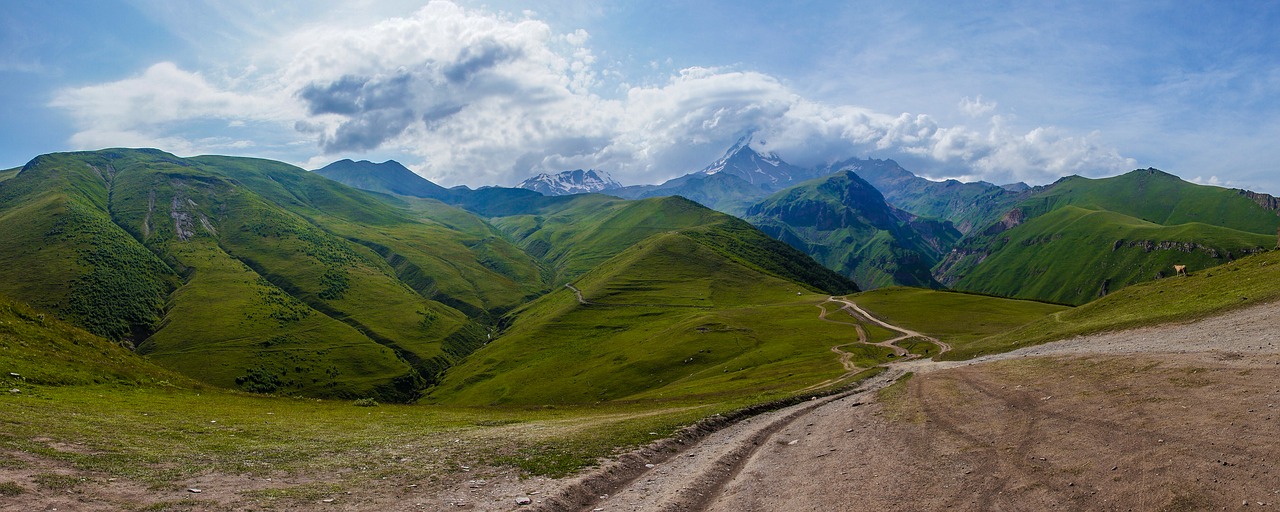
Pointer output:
476, 97
151, 109
976, 107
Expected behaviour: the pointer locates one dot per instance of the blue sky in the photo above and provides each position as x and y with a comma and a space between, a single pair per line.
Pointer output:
490, 92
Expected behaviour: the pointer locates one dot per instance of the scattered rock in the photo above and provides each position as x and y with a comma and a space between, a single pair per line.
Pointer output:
193, 490
15, 390
524, 500
327, 500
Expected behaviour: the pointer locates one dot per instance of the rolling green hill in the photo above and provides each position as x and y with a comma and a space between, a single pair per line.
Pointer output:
255, 274
1158, 197
9, 173
576, 233
1082, 239
669, 317
1248, 281
844, 223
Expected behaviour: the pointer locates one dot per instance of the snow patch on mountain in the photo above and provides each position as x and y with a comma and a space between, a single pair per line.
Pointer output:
766, 170
571, 182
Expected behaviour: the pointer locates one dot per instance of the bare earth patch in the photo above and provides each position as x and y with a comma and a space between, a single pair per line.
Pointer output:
1177, 417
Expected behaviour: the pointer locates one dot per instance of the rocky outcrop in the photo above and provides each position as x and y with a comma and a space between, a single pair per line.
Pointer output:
1187, 247
1267, 201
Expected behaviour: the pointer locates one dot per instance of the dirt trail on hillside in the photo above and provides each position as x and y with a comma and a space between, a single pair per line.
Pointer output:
1178, 417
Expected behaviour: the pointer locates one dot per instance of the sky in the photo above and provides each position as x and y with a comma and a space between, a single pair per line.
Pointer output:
491, 92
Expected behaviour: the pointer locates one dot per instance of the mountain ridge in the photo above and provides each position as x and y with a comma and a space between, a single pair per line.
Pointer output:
576, 181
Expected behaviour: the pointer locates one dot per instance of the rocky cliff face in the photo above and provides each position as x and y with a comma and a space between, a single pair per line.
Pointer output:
1267, 201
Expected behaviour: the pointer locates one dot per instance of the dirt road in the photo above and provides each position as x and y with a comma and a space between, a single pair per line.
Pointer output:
1177, 417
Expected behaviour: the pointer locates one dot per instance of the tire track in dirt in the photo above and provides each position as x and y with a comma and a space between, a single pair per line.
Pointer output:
695, 481
1011, 449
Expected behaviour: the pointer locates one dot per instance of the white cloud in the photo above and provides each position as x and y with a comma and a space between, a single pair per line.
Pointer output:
155, 108
976, 107
1212, 180
482, 98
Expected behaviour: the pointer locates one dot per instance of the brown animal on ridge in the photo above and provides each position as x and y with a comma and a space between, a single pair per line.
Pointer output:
1180, 269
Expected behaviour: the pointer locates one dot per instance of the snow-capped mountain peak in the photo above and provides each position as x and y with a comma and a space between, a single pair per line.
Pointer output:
571, 182
766, 170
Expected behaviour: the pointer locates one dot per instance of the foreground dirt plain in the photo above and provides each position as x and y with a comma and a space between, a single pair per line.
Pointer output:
1176, 417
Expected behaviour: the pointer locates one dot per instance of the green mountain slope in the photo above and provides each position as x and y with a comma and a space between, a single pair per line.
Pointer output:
37, 348
844, 223
9, 173
576, 233
1081, 239
443, 253
968, 206
1248, 281
1158, 197
1073, 255
669, 316
253, 274
61, 251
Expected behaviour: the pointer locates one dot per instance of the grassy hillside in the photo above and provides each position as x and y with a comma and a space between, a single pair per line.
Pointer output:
63, 253
1082, 239
845, 224
9, 173
1157, 197
577, 233
457, 260
1247, 281
37, 349
960, 319
254, 274
669, 317
1073, 255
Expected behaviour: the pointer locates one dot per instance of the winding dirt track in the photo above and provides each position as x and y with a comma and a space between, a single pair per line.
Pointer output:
1014, 431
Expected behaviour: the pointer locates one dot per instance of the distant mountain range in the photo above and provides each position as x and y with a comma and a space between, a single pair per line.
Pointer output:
881, 225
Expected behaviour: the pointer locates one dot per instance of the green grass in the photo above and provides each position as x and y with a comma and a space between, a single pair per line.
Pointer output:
45, 351
1204, 293
1159, 198
1071, 255
129, 418
1081, 238
9, 173
575, 234
11, 489
669, 318
255, 274
959, 319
